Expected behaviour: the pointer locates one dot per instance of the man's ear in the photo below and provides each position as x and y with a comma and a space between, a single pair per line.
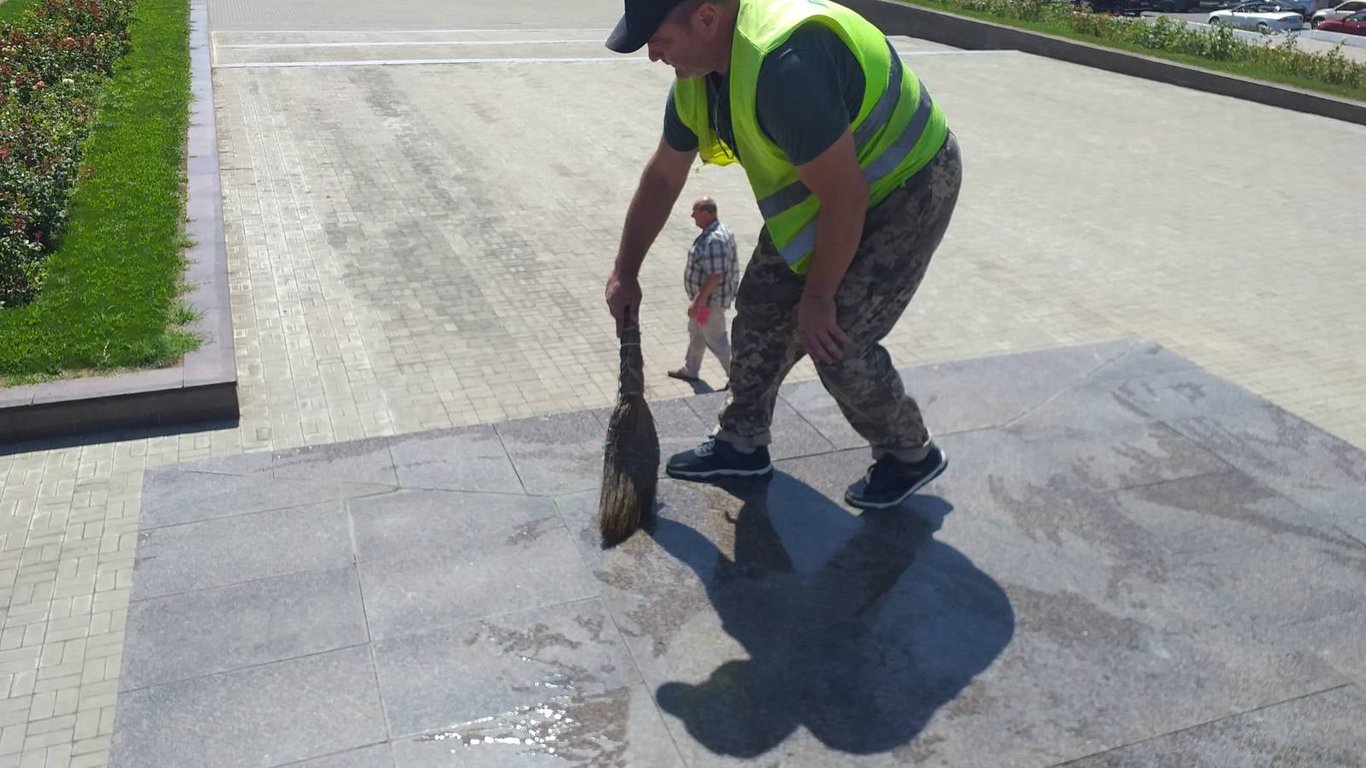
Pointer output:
708, 17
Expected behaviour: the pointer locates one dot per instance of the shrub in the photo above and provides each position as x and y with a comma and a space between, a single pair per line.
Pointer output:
1165, 35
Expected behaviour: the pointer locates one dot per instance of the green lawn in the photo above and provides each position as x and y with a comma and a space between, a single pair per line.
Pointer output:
1282, 63
112, 298
11, 10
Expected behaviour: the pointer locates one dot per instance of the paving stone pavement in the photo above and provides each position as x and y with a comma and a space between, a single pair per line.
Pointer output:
1116, 570
419, 247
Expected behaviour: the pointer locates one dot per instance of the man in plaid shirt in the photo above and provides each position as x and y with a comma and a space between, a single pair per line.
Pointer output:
711, 278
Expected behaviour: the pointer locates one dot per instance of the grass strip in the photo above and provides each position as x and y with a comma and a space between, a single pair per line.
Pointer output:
112, 295
1216, 49
12, 10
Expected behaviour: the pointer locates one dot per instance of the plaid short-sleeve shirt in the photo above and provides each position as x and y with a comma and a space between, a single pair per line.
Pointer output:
713, 251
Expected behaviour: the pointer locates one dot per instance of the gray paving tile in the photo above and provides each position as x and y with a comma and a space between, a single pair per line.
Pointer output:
459, 460
792, 435
1109, 619
815, 405
377, 756
1139, 359
238, 464
984, 392
1338, 639
1081, 604
997, 478
773, 622
1195, 393
453, 678
1226, 551
992, 391
264, 716
1316, 470
1089, 408
617, 727
409, 524
1070, 569
652, 595
1192, 546
556, 454
1083, 672
676, 424
361, 461
171, 497
1122, 458
1318, 731
429, 561
228, 550
1087, 435
201, 633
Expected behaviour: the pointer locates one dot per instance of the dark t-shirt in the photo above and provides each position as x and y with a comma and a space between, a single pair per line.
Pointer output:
809, 93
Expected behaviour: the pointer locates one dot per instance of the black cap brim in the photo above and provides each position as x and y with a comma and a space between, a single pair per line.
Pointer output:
626, 39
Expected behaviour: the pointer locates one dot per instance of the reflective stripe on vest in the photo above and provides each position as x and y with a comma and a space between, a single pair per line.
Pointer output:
803, 242
796, 193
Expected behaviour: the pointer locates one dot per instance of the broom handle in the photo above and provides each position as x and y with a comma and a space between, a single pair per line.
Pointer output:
632, 383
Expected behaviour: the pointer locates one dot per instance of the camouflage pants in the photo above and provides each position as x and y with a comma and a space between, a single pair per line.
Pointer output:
899, 237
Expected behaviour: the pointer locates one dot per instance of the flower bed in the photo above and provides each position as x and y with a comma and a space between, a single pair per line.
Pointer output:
52, 67
103, 288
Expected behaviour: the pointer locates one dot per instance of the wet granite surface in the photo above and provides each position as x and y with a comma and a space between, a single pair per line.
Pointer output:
1130, 562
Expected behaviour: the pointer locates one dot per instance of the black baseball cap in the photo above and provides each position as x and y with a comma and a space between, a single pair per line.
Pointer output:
639, 24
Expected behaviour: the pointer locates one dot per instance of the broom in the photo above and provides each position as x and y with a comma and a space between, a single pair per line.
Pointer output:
630, 462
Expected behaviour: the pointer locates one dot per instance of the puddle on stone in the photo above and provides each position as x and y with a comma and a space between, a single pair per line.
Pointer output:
536, 640
530, 532
581, 730
557, 681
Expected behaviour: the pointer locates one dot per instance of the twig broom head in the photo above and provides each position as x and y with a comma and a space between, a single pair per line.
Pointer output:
630, 465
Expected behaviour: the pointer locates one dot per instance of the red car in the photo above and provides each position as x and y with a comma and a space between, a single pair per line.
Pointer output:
1352, 25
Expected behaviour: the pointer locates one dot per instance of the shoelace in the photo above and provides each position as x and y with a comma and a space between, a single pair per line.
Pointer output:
706, 449
868, 476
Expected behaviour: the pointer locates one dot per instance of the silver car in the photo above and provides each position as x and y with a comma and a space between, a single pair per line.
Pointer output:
1262, 17
1341, 11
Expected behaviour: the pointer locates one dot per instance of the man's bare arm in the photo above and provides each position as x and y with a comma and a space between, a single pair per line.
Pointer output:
704, 293
835, 178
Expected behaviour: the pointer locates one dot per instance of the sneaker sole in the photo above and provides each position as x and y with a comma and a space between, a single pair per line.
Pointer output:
943, 465
718, 473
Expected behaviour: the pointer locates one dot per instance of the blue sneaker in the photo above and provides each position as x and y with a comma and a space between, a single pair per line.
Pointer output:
718, 458
891, 481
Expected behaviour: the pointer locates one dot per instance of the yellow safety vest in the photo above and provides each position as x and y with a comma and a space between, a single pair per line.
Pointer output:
899, 129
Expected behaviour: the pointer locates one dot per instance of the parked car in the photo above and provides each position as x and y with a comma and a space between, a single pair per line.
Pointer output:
1176, 6
1340, 11
1302, 8
1118, 7
1293, 6
1262, 17
1352, 25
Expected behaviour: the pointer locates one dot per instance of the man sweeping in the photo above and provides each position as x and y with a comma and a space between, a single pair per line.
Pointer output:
856, 174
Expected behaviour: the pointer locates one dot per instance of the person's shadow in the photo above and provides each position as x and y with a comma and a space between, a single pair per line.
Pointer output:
861, 649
